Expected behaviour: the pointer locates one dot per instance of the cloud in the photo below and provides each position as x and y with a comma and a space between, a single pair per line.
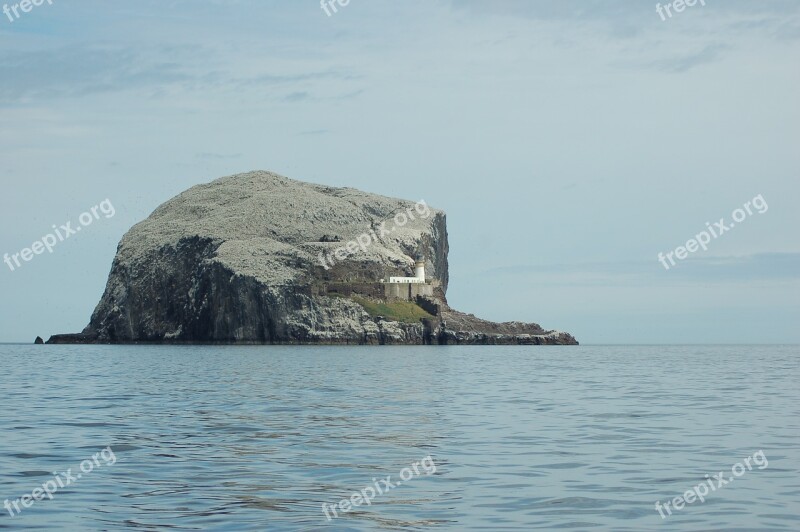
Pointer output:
682, 63
756, 267
620, 10
218, 156
549, 10
626, 19
78, 70
303, 96
297, 96
315, 132
285, 79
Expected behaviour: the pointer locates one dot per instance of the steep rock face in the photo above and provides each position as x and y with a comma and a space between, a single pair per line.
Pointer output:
240, 260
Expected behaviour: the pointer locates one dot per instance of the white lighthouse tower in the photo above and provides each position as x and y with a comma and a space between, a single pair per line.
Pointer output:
419, 268
419, 273
410, 288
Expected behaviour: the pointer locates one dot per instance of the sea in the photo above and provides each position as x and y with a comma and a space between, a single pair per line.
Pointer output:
400, 437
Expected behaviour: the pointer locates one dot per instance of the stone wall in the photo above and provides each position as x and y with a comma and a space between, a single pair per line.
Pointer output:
407, 291
347, 289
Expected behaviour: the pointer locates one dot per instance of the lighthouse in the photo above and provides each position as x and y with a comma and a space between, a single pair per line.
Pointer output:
409, 288
419, 268
419, 273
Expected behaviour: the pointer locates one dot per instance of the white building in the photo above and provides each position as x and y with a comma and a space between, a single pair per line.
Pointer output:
419, 274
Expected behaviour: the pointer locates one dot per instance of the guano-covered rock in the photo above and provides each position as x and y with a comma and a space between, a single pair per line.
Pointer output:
260, 258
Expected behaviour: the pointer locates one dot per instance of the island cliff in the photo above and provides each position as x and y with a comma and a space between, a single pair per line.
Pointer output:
260, 258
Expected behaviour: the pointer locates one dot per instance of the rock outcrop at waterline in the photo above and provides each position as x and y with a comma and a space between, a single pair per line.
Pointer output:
252, 258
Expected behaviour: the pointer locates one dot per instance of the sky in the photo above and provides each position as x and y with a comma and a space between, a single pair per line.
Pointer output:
569, 142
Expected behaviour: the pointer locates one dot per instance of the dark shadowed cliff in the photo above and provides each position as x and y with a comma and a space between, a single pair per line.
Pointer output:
260, 258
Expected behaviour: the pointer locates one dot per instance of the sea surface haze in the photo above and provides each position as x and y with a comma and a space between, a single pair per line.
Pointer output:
522, 437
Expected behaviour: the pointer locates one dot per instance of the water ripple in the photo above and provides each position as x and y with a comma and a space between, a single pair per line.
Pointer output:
523, 438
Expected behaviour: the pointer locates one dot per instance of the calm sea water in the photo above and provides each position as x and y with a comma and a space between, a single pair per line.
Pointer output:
522, 438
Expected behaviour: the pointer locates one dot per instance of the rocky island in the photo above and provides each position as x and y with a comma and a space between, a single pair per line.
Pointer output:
257, 258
